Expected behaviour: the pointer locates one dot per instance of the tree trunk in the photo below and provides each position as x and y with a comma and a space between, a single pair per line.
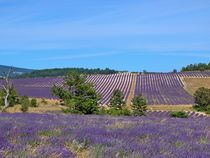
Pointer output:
6, 102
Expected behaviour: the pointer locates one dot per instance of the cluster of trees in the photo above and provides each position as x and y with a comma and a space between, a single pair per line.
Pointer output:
9, 96
196, 67
81, 97
14, 99
26, 103
65, 71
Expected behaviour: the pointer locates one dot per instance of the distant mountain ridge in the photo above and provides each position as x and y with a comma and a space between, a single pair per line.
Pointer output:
16, 70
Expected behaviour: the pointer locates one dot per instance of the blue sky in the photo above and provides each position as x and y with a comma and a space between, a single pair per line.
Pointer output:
156, 35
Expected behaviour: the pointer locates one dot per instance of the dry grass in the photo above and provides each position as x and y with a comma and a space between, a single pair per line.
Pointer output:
171, 107
192, 84
132, 91
52, 106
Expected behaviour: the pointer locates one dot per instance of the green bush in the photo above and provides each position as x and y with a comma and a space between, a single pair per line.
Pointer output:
202, 99
34, 103
25, 102
139, 105
179, 114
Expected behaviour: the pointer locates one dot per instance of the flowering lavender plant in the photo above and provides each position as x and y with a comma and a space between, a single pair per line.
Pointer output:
156, 135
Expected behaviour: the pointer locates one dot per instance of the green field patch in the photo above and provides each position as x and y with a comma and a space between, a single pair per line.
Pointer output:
179, 144
49, 133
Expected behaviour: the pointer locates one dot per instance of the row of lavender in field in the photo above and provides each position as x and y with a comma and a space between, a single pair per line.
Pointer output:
162, 89
106, 84
165, 88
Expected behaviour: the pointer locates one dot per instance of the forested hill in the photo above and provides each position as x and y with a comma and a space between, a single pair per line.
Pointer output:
197, 67
63, 71
15, 70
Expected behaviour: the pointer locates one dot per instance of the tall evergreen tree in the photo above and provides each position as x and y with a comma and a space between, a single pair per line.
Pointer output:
77, 94
139, 105
117, 99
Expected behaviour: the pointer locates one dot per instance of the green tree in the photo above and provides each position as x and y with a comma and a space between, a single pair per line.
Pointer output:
34, 102
139, 105
117, 99
202, 99
78, 95
12, 97
8, 93
197, 67
175, 71
25, 102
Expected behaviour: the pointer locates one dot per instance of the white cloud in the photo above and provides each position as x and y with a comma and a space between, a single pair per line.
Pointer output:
77, 56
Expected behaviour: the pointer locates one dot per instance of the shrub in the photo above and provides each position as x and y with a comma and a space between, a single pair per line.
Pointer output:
25, 102
179, 114
202, 99
139, 105
34, 102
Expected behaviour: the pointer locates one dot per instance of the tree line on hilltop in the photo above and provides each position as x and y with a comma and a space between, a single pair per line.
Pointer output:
64, 71
196, 67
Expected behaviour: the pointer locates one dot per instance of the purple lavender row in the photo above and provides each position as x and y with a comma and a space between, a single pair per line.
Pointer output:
166, 89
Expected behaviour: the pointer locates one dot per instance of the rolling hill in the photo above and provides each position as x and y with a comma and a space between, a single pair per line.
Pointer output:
158, 89
16, 70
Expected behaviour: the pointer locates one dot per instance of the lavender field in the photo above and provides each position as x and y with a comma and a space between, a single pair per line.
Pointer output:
158, 88
66, 136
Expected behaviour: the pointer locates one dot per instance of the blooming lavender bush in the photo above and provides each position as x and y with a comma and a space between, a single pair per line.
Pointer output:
66, 136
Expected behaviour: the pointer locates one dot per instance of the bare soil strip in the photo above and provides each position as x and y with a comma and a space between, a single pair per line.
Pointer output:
170, 107
132, 90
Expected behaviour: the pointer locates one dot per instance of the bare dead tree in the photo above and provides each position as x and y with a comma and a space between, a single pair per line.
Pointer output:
7, 87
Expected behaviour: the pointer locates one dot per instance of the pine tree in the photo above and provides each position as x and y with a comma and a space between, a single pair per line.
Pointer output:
78, 95
116, 100
139, 105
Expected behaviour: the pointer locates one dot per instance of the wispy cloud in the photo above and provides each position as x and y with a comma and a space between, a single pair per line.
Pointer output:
89, 55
